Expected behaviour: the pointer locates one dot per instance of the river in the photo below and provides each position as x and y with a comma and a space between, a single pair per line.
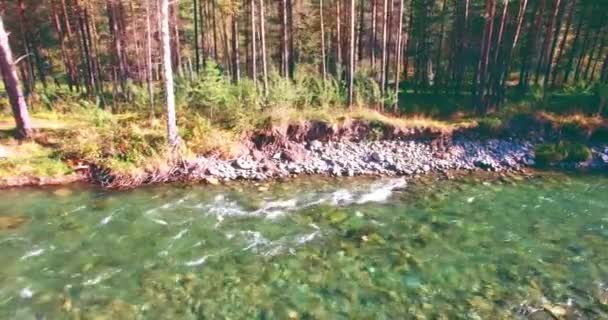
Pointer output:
311, 248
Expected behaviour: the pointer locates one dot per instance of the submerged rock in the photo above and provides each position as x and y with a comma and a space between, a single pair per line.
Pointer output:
11, 222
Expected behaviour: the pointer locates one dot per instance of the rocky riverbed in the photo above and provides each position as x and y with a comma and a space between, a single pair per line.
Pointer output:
384, 157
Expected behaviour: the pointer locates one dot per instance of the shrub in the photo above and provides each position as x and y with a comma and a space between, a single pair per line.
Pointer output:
548, 153
574, 130
600, 135
490, 126
563, 151
577, 152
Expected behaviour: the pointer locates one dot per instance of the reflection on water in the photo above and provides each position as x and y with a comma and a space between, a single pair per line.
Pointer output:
309, 249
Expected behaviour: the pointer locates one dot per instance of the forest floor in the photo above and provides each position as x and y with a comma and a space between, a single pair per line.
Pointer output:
66, 146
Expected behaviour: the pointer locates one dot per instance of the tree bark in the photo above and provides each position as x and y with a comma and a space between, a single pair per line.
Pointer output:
236, 63
351, 64
323, 56
398, 60
12, 86
165, 34
149, 60
254, 53
384, 48
197, 56
480, 92
263, 44
562, 44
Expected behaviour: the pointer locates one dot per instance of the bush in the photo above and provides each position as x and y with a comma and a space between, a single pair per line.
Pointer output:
600, 135
563, 151
549, 153
490, 126
577, 152
574, 130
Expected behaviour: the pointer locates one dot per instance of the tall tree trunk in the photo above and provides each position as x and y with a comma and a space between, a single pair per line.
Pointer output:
323, 56
480, 92
263, 44
398, 60
254, 49
439, 73
506, 69
13, 89
27, 49
64, 52
113, 17
575, 44
213, 19
530, 50
361, 30
292, 53
583, 54
197, 56
351, 45
338, 40
374, 35
284, 39
562, 44
165, 35
149, 59
236, 63
554, 29
384, 48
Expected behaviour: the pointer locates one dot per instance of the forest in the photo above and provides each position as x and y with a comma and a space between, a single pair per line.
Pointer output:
214, 69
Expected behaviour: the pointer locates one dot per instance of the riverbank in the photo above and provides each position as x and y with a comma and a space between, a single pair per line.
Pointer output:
362, 144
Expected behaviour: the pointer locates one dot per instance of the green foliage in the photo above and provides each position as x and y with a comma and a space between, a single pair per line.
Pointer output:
574, 130
562, 151
490, 126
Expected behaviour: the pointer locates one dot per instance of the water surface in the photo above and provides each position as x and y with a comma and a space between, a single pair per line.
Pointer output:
307, 249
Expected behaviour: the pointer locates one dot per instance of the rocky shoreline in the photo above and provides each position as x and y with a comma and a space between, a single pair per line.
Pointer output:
386, 158
337, 153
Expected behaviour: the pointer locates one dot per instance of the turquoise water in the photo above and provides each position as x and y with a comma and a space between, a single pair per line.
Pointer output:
307, 249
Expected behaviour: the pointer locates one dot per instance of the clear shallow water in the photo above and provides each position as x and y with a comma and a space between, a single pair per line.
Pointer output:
307, 249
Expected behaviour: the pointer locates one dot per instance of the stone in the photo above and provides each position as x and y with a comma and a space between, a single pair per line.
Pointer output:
212, 181
10, 223
243, 163
377, 157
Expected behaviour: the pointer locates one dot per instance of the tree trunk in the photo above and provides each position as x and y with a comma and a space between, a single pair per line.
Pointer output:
13, 89
254, 53
165, 34
351, 64
372, 46
285, 40
361, 30
574, 49
506, 69
263, 44
236, 63
562, 44
384, 48
556, 24
480, 92
338, 40
323, 57
197, 56
398, 60
149, 59
215, 56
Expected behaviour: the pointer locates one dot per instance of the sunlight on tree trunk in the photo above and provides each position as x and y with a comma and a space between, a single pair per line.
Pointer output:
165, 35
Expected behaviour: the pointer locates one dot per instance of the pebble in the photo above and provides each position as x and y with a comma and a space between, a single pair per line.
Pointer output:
385, 157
